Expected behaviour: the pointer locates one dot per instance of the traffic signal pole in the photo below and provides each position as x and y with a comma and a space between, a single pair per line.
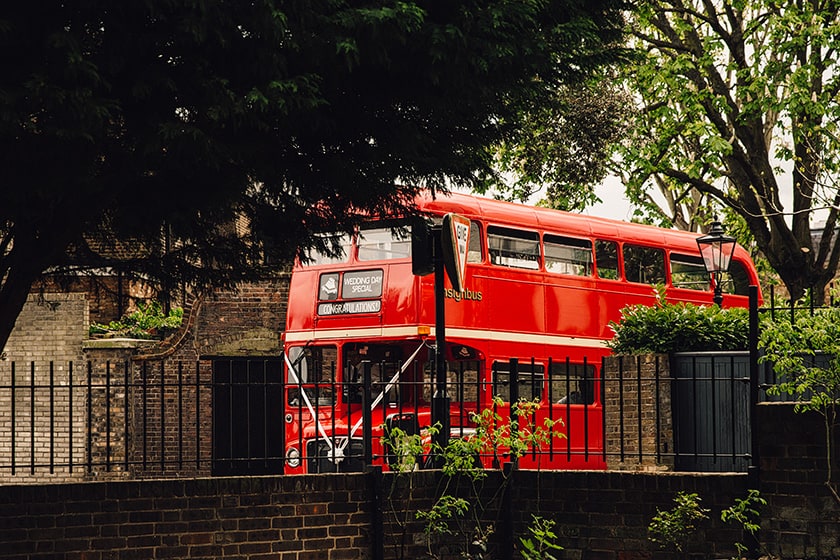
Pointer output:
440, 399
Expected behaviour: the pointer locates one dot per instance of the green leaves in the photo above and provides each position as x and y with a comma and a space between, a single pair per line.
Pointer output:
733, 96
679, 327
791, 347
148, 321
675, 527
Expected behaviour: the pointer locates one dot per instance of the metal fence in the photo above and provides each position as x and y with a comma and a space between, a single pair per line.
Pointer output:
226, 416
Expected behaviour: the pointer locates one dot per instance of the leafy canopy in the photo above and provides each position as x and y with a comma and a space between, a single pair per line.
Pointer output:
739, 107
158, 123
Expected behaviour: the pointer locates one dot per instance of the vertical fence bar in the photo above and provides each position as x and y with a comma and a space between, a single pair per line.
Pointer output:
603, 395
568, 410
550, 398
89, 444
126, 414
658, 411
585, 395
145, 387
198, 414
714, 416
754, 467
621, 406
180, 414
162, 417
514, 401
282, 405
52, 417
32, 417
70, 417
639, 431
732, 392
246, 386
367, 432
14, 420
694, 406
108, 416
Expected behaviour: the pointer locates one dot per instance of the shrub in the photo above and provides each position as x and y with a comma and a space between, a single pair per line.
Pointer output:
148, 321
679, 327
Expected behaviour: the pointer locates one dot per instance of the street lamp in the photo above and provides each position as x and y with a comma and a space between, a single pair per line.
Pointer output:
716, 248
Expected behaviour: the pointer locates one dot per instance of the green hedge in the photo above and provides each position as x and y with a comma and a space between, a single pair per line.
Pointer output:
679, 327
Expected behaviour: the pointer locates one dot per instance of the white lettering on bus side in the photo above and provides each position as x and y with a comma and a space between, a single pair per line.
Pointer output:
350, 307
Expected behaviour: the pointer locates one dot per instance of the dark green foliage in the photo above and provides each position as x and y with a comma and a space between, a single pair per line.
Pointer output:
157, 122
679, 327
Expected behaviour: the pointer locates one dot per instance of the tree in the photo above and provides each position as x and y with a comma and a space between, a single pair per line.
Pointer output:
158, 122
739, 99
562, 146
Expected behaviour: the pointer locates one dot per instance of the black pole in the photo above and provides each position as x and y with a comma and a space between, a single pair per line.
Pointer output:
755, 456
754, 468
440, 400
718, 297
367, 415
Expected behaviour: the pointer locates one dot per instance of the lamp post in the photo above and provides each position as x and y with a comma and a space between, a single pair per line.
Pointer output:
716, 248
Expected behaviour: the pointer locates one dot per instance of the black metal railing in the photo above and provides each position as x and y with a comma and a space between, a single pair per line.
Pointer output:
226, 416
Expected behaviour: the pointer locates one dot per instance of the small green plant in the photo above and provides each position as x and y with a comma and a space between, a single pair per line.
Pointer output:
792, 345
745, 513
674, 527
541, 543
494, 436
148, 321
679, 327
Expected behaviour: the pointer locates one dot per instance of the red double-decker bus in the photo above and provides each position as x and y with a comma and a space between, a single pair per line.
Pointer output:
540, 287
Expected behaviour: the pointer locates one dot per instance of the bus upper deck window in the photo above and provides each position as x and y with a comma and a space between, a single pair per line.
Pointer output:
514, 248
688, 272
736, 280
606, 259
341, 242
383, 243
565, 255
644, 265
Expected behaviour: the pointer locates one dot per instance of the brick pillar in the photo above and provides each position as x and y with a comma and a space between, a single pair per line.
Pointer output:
639, 432
107, 381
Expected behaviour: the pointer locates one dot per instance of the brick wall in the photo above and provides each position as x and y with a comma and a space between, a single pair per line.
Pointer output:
53, 328
599, 515
806, 516
41, 415
292, 518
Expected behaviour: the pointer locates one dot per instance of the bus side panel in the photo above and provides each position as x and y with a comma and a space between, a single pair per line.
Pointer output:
573, 307
514, 301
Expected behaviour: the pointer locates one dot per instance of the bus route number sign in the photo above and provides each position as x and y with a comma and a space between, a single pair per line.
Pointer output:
455, 239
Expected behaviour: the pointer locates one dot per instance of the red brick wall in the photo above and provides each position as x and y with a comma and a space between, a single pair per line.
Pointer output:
805, 520
292, 518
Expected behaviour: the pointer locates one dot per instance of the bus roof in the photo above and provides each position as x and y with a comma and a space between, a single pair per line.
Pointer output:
567, 223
